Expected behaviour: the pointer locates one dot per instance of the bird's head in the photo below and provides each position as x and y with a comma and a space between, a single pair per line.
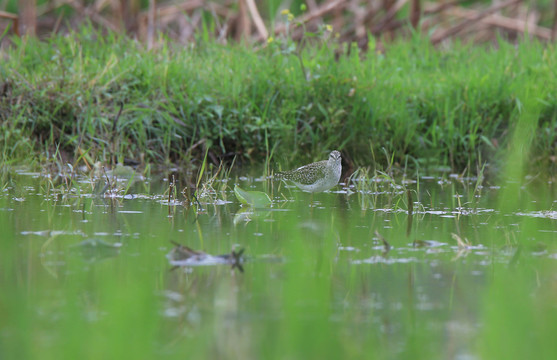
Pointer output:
334, 156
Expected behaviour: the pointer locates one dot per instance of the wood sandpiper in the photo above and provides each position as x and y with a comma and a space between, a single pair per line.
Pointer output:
317, 176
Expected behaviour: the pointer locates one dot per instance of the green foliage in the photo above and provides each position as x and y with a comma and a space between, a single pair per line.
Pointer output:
252, 198
456, 107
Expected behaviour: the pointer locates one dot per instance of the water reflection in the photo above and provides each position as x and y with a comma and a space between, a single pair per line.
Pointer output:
381, 257
182, 255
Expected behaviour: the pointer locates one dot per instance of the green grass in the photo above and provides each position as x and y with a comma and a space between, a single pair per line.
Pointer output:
419, 105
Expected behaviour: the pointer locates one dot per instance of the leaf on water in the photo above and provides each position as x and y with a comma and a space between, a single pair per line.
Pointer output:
252, 198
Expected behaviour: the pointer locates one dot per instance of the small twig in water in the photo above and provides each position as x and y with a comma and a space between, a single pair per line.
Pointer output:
386, 245
107, 179
516, 256
197, 201
462, 244
170, 186
237, 259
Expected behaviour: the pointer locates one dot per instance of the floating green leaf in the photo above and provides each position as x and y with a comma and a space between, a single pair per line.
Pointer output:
252, 198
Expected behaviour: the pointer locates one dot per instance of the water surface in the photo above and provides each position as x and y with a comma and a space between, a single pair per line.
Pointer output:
351, 272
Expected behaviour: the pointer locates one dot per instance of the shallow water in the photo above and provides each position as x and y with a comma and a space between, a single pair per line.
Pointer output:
337, 274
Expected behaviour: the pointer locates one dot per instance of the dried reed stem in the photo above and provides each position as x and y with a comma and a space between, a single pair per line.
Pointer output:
389, 16
243, 24
415, 13
28, 19
151, 24
14, 18
257, 20
554, 30
444, 34
516, 25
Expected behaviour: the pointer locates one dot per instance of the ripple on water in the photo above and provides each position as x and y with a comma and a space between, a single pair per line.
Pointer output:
378, 259
52, 232
539, 214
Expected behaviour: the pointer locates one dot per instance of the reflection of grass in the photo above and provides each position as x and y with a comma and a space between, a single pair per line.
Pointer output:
380, 187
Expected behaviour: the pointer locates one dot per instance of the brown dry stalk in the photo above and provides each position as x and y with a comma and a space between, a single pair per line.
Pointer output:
438, 11
554, 30
171, 10
389, 16
151, 24
7, 15
415, 13
14, 18
243, 23
517, 25
28, 18
93, 15
257, 20
433, 8
241, 18
325, 9
321, 11
439, 36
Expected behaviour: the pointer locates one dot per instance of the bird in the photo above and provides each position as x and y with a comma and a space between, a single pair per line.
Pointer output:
316, 177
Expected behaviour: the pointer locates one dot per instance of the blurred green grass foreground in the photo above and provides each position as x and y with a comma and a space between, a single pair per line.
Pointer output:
410, 87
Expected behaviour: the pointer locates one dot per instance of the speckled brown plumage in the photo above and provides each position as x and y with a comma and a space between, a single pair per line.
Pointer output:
317, 176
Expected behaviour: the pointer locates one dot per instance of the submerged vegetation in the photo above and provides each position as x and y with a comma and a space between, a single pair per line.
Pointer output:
410, 105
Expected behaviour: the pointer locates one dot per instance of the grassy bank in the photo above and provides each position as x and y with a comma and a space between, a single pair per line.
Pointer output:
410, 105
